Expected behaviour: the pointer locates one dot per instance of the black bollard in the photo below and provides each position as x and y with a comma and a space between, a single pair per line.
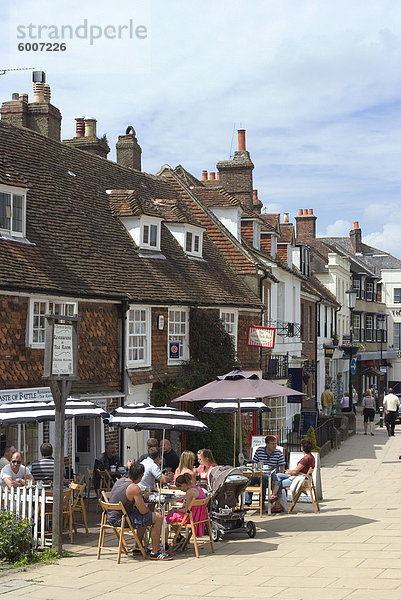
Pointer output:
381, 416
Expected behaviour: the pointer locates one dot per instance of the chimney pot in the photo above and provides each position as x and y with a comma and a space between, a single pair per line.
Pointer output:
47, 93
300, 212
39, 77
23, 97
39, 91
311, 211
356, 225
90, 127
15, 97
212, 175
254, 194
204, 175
241, 140
80, 127
286, 219
218, 175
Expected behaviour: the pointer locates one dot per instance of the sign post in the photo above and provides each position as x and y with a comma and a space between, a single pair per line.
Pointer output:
60, 369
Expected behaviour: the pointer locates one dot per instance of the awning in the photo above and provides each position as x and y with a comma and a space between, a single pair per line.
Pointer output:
372, 371
376, 355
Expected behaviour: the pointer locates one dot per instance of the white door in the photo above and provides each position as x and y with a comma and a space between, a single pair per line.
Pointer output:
87, 444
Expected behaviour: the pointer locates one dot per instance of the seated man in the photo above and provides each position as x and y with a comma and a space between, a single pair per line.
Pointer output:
43, 469
104, 461
272, 458
15, 474
127, 491
170, 458
7, 454
151, 443
284, 480
153, 473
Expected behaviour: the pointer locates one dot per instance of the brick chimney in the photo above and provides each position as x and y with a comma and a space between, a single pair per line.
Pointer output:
204, 175
306, 225
236, 174
128, 150
86, 138
39, 115
355, 236
256, 203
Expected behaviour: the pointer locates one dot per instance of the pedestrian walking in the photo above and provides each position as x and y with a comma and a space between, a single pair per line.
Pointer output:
368, 411
327, 400
390, 405
354, 400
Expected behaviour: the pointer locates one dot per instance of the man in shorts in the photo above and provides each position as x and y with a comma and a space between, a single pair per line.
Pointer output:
127, 491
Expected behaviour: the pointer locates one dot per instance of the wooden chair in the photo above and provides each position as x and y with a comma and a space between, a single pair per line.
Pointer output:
78, 504
90, 487
191, 525
119, 531
105, 484
67, 514
305, 486
105, 496
256, 489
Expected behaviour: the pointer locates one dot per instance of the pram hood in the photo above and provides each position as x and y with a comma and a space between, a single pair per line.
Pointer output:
227, 484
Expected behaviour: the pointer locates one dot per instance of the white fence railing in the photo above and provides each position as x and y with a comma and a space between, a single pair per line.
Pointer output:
29, 503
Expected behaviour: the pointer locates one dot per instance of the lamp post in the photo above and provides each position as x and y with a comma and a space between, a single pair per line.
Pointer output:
381, 324
351, 301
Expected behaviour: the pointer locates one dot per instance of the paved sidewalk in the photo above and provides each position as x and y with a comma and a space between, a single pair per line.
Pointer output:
350, 550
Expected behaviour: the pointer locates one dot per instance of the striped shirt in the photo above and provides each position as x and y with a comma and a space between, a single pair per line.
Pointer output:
275, 459
43, 469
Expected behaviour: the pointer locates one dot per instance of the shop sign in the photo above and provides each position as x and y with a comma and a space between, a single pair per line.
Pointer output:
29, 394
263, 337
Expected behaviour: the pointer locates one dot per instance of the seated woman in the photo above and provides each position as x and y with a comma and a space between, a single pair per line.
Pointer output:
285, 479
184, 482
186, 465
206, 464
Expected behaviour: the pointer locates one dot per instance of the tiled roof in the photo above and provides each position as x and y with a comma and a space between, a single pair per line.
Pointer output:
272, 221
78, 246
216, 196
374, 258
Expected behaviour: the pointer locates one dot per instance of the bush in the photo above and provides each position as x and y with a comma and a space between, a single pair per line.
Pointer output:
15, 537
312, 436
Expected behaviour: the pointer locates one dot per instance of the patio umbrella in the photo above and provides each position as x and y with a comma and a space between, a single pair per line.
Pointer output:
145, 416
230, 405
238, 384
23, 412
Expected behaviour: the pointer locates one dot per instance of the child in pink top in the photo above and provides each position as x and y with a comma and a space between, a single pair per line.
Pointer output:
184, 482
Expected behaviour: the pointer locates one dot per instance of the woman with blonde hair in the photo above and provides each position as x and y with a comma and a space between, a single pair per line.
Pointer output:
186, 465
368, 411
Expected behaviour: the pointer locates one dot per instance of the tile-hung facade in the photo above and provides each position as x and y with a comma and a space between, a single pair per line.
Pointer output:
118, 247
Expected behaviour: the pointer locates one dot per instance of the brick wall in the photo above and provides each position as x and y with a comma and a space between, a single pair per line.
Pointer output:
282, 252
248, 356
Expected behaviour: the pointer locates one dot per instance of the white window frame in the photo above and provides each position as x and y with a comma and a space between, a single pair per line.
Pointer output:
178, 336
229, 319
14, 191
149, 222
397, 336
256, 235
36, 319
369, 322
145, 333
196, 234
397, 295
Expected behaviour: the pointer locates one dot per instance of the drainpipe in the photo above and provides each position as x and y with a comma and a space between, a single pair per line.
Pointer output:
124, 306
317, 306
261, 280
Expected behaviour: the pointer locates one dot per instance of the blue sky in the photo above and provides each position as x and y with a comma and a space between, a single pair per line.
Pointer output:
316, 84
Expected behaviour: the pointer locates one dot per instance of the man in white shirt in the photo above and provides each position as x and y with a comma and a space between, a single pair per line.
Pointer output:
5, 459
15, 474
390, 405
153, 473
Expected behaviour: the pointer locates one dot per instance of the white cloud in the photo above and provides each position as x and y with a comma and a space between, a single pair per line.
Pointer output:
388, 239
339, 228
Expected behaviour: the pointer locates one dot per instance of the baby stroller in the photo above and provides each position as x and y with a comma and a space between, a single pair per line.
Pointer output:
227, 485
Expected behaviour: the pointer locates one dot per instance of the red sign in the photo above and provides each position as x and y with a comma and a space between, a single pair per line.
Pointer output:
261, 336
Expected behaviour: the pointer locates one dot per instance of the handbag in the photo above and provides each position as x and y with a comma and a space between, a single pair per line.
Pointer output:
342, 403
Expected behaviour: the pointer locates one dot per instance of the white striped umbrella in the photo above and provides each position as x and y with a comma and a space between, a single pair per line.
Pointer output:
22, 411
145, 416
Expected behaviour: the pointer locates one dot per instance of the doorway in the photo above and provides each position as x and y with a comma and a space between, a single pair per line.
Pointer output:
88, 436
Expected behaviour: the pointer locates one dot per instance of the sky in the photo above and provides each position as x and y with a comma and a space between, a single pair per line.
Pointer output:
316, 85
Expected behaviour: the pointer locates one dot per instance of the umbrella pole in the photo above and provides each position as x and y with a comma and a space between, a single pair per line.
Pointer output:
240, 454
23, 429
235, 437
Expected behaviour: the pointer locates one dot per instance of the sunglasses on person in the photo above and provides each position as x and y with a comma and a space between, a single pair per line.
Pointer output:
16, 462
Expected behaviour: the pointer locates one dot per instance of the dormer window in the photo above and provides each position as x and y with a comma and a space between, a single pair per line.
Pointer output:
12, 211
189, 237
193, 242
150, 233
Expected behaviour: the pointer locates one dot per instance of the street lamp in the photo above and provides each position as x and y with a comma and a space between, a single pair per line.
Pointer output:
351, 301
381, 324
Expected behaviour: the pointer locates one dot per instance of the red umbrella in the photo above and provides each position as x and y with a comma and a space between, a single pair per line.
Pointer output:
238, 384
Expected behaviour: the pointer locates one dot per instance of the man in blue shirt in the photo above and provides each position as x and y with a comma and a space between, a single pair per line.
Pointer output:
270, 457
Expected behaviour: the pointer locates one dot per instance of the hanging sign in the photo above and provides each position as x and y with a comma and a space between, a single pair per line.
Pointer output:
62, 363
174, 349
263, 337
